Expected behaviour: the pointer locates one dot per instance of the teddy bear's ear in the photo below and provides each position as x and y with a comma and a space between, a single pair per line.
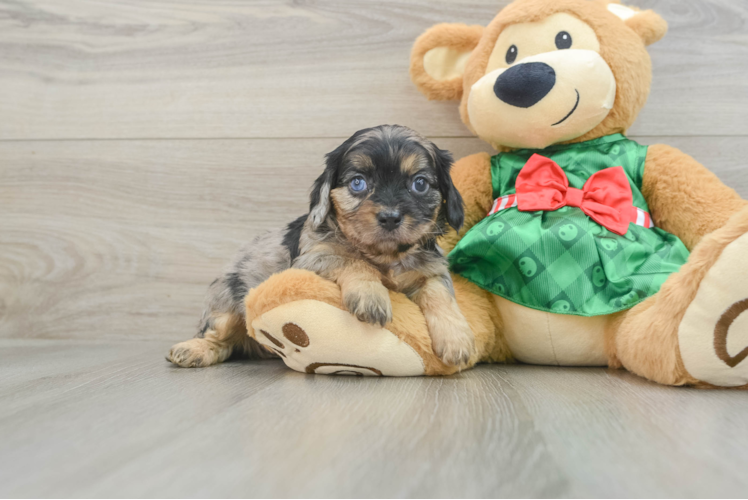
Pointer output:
646, 23
438, 58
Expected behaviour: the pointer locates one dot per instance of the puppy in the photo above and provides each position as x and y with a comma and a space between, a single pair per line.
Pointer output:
375, 213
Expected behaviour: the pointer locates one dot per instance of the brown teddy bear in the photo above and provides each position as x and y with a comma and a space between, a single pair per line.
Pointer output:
580, 247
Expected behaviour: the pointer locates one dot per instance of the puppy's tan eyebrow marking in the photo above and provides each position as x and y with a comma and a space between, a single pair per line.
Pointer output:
412, 164
361, 161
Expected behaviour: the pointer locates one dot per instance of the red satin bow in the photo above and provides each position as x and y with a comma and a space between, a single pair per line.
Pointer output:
606, 197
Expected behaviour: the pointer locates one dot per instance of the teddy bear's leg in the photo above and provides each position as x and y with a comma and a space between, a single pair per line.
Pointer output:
694, 331
300, 316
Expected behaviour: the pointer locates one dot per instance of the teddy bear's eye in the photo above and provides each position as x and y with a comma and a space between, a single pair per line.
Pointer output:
563, 40
511, 54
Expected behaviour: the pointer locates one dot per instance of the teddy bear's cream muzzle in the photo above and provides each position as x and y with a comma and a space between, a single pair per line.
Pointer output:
543, 99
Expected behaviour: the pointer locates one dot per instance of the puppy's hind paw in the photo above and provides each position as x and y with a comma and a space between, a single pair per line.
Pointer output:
195, 353
369, 302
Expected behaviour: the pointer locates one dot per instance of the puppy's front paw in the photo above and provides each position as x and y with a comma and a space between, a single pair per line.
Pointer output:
369, 301
451, 338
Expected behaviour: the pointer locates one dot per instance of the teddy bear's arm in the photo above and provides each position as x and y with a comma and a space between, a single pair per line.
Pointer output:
685, 198
472, 178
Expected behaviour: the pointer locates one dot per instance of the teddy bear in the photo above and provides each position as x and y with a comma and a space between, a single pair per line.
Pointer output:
580, 247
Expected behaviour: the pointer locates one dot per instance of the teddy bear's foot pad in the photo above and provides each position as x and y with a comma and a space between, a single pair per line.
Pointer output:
713, 335
315, 337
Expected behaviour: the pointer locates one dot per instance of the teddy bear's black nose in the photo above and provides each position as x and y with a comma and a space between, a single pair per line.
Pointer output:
524, 85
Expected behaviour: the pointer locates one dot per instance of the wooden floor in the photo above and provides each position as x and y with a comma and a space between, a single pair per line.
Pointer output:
142, 142
111, 418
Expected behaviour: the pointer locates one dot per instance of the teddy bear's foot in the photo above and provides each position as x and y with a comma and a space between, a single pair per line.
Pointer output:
314, 337
713, 335
694, 331
301, 317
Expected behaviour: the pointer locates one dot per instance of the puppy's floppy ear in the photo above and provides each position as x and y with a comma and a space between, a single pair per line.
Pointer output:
452, 204
319, 200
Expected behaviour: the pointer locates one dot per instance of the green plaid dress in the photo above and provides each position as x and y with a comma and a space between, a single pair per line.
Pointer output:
562, 261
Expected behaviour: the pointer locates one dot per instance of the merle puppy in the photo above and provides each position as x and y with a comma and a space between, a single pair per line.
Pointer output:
375, 213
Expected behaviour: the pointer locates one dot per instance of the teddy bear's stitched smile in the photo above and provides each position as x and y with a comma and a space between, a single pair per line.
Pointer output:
570, 112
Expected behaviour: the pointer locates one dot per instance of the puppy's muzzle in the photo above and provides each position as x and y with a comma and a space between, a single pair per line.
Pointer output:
390, 219
525, 85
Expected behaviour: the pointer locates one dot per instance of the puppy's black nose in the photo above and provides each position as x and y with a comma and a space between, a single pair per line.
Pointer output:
524, 85
390, 220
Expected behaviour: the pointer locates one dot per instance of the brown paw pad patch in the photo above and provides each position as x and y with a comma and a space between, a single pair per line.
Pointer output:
295, 334
722, 331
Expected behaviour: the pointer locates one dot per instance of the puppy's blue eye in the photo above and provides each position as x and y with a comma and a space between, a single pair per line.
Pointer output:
420, 185
358, 184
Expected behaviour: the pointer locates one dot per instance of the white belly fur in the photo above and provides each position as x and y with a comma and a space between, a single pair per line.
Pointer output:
543, 338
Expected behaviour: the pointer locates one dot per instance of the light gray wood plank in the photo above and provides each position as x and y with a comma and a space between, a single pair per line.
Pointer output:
679, 442
119, 239
109, 418
200, 68
94, 406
